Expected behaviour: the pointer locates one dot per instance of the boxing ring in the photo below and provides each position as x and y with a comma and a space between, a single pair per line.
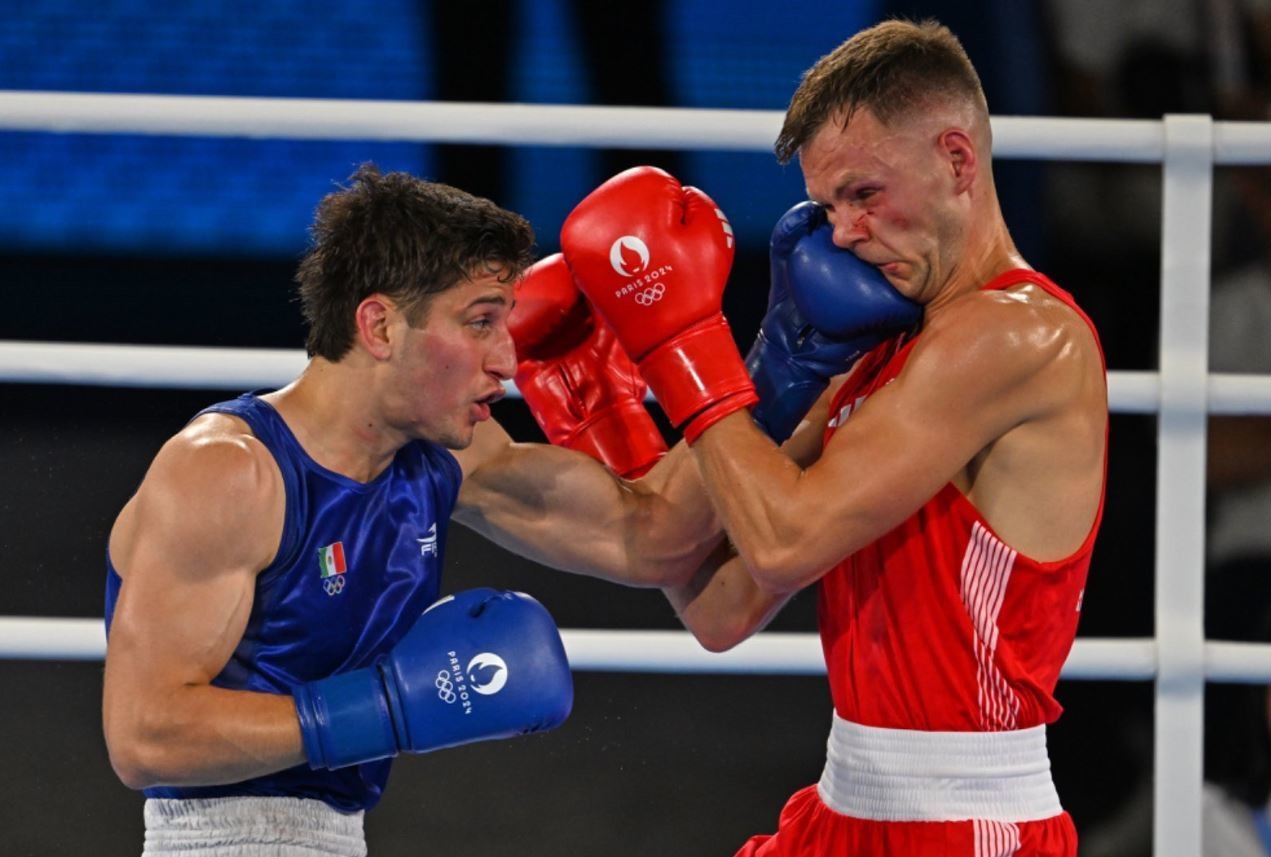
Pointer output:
1178, 659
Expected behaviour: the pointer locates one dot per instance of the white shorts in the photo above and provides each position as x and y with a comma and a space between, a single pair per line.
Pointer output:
251, 827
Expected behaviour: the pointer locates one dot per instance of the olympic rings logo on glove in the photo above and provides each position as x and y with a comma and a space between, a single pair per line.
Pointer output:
445, 687
334, 585
651, 295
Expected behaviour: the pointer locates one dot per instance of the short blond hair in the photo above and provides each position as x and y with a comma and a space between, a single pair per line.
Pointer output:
894, 69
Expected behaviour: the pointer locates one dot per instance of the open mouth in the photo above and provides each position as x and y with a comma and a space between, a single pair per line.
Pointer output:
481, 406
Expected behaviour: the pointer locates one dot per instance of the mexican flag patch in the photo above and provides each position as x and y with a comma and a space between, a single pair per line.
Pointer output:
331, 560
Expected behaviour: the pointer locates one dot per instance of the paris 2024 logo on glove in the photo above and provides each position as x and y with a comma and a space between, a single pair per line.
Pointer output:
486, 674
629, 257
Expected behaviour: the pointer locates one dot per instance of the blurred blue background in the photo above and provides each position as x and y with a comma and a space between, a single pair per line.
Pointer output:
184, 240
164, 195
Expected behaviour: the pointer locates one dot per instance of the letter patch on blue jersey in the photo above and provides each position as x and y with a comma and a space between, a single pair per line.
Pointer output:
428, 544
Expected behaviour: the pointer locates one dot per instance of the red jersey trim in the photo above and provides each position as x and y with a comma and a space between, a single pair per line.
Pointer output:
986, 571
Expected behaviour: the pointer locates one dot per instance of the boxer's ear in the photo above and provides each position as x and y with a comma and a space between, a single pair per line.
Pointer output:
959, 153
372, 321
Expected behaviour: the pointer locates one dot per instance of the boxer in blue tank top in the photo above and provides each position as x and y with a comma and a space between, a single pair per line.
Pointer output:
357, 562
274, 630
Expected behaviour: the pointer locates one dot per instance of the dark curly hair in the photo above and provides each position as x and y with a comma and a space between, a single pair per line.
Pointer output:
402, 237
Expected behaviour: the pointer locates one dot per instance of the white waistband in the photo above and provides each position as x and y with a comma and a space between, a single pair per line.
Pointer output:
257, 826
908, 775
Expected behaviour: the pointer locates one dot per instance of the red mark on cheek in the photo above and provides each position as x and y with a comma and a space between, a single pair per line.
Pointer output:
892, 218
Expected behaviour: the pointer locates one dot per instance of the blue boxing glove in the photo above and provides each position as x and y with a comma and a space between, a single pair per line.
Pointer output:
825, 309
478, 665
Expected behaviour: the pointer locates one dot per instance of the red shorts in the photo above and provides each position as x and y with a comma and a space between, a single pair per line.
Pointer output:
809, 827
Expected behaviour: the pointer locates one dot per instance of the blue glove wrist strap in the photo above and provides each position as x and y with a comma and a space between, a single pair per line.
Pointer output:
344, 720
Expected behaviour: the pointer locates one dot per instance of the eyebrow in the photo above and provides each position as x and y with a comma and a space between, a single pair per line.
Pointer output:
834, 194
842, 186
493, 299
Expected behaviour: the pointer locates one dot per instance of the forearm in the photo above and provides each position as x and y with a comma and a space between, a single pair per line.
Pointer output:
755, 490
564, 510
722, 605
200, 735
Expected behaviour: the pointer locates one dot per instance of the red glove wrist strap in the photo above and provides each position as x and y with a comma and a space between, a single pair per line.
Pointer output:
698, 368
717, 412
624, 438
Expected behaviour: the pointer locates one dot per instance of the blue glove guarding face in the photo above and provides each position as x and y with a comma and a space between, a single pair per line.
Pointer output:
826, 308
475, 666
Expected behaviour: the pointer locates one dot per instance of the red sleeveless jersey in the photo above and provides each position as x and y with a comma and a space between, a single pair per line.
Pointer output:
939, 624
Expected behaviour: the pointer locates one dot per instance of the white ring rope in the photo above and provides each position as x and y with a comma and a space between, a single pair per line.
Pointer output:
1179, 658
1126, 140
204, 368
185, 367
771, 652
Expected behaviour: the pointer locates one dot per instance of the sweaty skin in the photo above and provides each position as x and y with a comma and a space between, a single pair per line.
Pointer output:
1003, 394
208, 517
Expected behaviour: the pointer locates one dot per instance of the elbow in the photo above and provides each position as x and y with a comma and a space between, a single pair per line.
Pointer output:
720, 635
776, 555
719, 640
132, 764
777, 570
718, 631
134, 778
139, 759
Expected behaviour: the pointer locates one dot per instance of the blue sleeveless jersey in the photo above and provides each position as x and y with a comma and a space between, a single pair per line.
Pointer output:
357, 564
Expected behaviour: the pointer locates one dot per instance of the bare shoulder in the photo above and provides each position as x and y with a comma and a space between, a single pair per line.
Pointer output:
1023, 320
218, 458
213, 489
1019, 336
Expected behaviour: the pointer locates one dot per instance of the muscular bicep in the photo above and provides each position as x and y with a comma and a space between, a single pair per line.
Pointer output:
188, 547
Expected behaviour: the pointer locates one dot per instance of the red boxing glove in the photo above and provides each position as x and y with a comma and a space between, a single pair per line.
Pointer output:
653, 257
582, 388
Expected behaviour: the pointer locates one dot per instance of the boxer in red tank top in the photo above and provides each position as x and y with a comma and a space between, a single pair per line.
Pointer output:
945, 492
